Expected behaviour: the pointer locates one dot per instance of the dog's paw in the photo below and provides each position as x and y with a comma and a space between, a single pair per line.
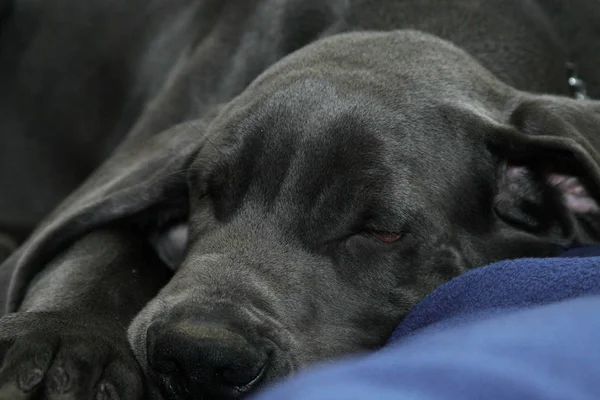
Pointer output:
54, 356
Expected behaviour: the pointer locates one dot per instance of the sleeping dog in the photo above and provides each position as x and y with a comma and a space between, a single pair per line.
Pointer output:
295, 177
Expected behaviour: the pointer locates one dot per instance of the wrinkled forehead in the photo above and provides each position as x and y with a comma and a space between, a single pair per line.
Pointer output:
350, 127
395, 94
317, 148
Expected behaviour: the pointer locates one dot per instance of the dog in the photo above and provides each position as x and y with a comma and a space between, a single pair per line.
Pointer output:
294, 177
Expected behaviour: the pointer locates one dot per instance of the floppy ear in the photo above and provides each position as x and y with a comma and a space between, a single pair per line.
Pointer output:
136, 177
549, 184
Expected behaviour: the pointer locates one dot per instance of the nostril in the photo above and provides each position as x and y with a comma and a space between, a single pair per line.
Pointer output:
170, 376
238, 368
233, 380
244, 370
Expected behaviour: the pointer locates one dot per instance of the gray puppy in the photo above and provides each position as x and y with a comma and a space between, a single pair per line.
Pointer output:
304, 211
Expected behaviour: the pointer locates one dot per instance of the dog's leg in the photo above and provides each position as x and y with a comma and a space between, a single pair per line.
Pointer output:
68, 339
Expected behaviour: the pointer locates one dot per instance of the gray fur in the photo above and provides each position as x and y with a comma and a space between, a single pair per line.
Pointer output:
284, 135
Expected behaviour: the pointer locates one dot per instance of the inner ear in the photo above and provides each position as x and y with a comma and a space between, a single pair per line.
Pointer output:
573, 192
525, 200
549, 183
547, 193
524, 181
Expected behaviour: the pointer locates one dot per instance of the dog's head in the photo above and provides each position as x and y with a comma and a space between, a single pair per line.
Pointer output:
346, 183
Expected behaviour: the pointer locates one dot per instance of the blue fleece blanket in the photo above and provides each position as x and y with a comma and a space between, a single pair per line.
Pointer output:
523, 329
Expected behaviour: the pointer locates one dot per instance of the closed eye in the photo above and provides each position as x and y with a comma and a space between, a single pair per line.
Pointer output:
387, 237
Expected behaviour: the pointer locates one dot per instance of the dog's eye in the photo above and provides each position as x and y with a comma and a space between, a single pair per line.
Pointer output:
171, 244
387, 237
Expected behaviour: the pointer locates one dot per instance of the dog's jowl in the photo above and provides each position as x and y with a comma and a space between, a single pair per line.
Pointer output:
276, 183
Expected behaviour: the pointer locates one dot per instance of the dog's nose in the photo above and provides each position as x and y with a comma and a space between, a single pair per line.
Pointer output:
192, 360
